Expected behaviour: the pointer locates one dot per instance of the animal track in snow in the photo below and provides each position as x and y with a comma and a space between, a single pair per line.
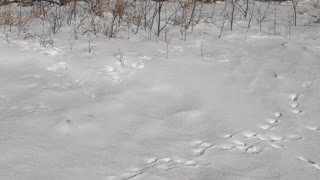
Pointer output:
294, 97
249, 134
191, 163
272, 121
313, 128
307, 85
297, 111
242, 143
263, 137
199, 147
310, 162
294, 105
229, 136
317, 166
196, 142
278, 146
238, 142
165, 160
270, 137
265, 127
179, 160
274, 137
198, 152
244, 147
293, 137
131, 175
205, 145
277, 114
253, 150
226, 146
151, 160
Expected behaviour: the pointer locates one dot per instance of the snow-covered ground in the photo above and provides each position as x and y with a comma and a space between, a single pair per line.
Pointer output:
247, 108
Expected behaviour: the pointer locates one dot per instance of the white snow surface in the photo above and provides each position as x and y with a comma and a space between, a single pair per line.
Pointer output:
245, 110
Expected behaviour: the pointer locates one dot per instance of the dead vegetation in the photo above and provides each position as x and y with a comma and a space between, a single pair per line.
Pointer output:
154, 17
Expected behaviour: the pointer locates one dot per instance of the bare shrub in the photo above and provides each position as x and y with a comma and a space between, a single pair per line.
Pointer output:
188, 15
119, 13
8, 18
55, 16
262, 14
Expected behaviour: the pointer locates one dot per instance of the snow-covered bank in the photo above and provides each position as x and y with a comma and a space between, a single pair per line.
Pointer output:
247, 109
